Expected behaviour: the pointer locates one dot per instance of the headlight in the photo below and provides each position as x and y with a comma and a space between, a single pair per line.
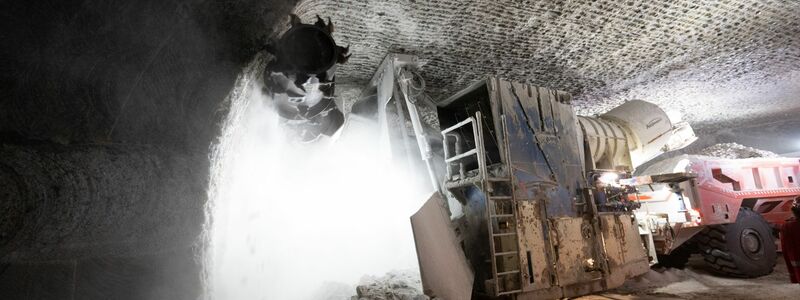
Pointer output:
608, 178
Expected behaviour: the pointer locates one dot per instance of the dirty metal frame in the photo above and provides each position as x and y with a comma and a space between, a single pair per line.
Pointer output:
546, 230
485, 185
515, 212
594, 213
392, 83
547, 224
461, 155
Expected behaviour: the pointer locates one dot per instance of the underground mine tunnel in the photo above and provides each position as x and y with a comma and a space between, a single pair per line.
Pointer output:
344, 149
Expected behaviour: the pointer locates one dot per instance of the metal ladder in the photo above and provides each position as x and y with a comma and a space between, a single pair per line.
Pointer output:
501, 211
502, 216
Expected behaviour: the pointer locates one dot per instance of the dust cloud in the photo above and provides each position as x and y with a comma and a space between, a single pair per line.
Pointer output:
288, 220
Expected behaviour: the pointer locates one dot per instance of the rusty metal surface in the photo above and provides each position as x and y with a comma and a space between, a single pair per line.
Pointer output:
542, 143
537, 271
625, 253
574, 238
683, 234
560, 248
546, 165
444, 269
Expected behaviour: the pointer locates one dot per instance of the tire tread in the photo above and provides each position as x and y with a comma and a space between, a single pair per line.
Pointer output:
713, 246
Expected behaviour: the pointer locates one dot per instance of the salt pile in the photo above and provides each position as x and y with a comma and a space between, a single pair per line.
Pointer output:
734, 151
396, 285
654, 278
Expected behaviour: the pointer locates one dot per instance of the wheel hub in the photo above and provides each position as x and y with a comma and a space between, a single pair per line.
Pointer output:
751, 243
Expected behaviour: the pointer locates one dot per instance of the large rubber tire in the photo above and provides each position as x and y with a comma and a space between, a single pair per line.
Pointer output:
742, 249
676, 259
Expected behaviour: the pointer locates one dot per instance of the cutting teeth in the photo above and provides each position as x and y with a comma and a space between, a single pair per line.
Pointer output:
320, 23
343, 54
294, 20
342, 58
330, 25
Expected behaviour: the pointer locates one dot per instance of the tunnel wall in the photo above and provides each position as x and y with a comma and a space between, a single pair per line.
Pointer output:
90, 200
136, 72
108, 110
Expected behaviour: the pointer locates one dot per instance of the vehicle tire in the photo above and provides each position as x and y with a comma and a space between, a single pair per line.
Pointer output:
676, 259
742, 249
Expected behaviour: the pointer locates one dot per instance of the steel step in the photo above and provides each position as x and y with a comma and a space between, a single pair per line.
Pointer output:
508, 292
507, 272
460, 183
498, 179
504, 234
503, 216
460, 156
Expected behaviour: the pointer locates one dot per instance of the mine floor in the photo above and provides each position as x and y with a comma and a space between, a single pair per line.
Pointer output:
697, 282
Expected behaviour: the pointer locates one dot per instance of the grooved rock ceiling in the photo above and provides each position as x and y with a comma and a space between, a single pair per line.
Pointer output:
716, 61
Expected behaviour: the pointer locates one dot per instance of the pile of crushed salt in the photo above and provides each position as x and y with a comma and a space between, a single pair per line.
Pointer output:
734, 150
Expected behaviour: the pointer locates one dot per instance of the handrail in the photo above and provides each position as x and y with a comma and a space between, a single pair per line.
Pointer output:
477, 132
478, 151
459, 124
462, 155
458, 155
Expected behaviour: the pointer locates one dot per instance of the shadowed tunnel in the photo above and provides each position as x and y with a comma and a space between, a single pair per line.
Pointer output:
107, 113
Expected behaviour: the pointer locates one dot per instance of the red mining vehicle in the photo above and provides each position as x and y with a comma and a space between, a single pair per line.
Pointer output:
728, 210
